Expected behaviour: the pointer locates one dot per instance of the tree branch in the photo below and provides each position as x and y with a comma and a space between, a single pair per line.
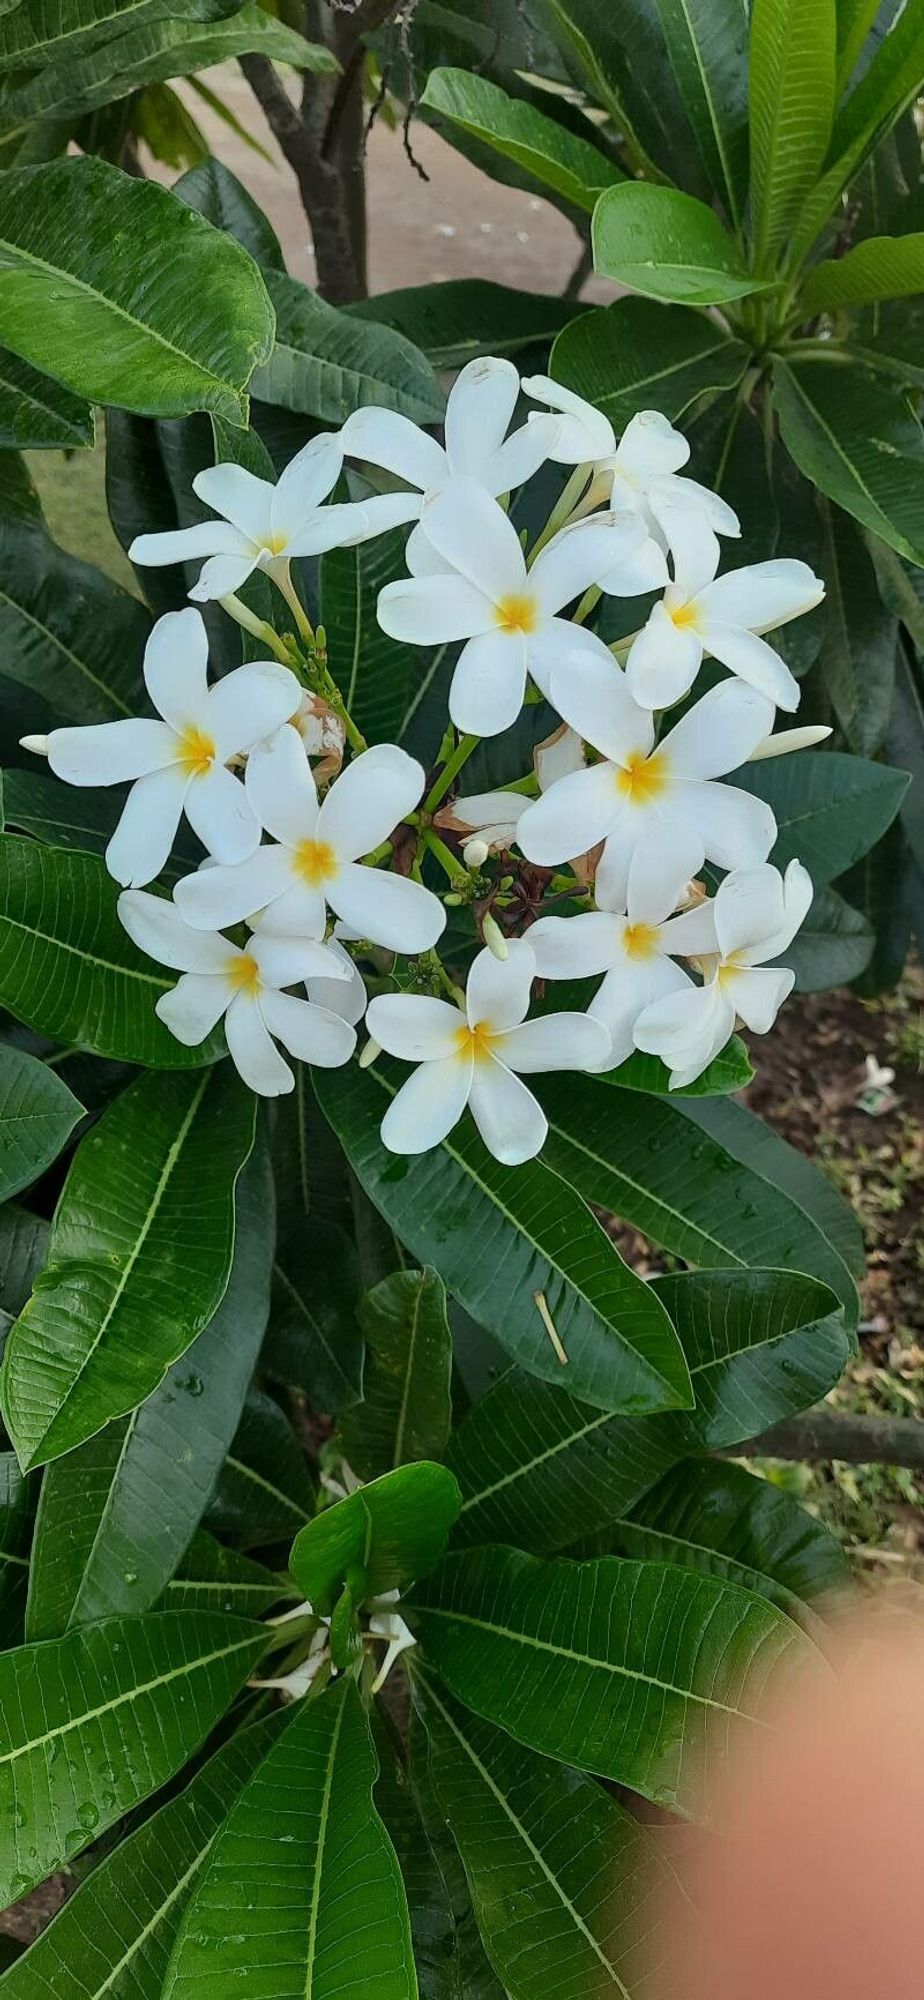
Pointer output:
820, 1435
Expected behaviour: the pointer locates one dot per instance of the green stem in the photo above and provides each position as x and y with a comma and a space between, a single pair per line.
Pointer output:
282, 578
259, 629
441, 853
563, 508
590, 598
450, 772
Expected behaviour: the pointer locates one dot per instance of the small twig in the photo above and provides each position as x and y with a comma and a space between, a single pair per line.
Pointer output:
581, 272
542, 1307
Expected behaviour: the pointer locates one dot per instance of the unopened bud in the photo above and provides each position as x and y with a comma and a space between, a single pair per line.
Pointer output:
494, 937
368, 1056
475, 852
453, 901
789, 739
37, 744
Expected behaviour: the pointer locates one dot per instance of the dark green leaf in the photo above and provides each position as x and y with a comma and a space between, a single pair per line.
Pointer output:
668, 246
858, 650
327, 363
457, 319
833, 945
213, 1578
905, 742
619, 56
16, 1506
829, 808
68, 816
314, 1341
767, 1156
37, 1116
377, 676
552, 155
378, 1537
264, 1493
311, 1174
883, 267
33, 36
793, 52
216, 193
67, 632
406, 1411
888, 85
707, 41
636, 355
36, 414
857, 438
23, 1250
138, 1260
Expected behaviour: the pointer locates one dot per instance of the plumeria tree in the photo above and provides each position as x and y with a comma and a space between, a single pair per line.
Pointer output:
384, 889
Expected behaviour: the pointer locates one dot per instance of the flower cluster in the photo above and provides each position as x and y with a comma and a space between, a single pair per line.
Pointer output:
614, 825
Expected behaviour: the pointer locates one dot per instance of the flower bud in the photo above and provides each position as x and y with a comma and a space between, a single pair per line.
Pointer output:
494, 937
475, 853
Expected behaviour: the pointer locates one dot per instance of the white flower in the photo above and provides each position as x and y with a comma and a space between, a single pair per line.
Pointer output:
179, 764
493, 817
636, 950
244, 986
757, 913
508, 614
722, 617
473, 1058
264, 526
315, 862
658, 796
640, 472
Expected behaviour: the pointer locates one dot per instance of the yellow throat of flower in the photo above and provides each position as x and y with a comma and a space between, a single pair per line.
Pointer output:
244, 973
517, 613
315, 862
641, 779
197, 751
476, 1043
639, 940
684, 616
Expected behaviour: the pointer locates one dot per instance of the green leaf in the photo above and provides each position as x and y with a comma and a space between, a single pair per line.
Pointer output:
377, 676
707, 42
23, 1250
834, 944
213, 1578
314, 1341
16, 1505
456, 319
793, 52
858, 650
723, 1521
117, 1514
906, 742
758, 1147
33, 36
641, 1672
619, 56
113, 1938
311, 1174
406, 1409
216, 193
829, 807
667, 246
302, 1892
67, 632
883, 267
555, 157
264, 1492
327, 363
36, 414
67, 967
448, 1952
68, 816
37, 1116
888, 85
538, 1468
378, 1537
569, 1890
635, 355
138, 1260
126, 296
857, 439
98, 1720
18, 492
538, 1245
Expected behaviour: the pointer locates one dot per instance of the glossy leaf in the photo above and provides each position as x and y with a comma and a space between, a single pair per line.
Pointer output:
456, 319
37, 1116
538, 1468
215, 192
117, 1514
707, 42
327, 363
619, 57
311, 1174
666, 245
890, 82
857, 439
793, 53
534, 1237
829, 808
139, 1258
98, 1720
551, 154
858, 651
23, 1250
568, 1888
882, 267
642, 1672
636, 355
406, 1410
32, 36
113, 1938
211, 1577
834, 944
729, 1071
376, 675
126, 296
314, 1342
62, 815
67, 631
754, 1143
36, 414
378, 1537
302, 1891
16, 1506
264, 1493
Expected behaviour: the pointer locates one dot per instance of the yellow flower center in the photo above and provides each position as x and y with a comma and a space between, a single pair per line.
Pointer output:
244, 973
731, 968
641, 779
684, 616
517, 613
277, 545
640, 940
197, 751
315, 862
477, 1042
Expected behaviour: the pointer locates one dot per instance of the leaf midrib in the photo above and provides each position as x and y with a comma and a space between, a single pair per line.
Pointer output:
323, 1820
129, 1694
53, 638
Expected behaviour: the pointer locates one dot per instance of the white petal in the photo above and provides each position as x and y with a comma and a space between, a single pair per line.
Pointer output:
559, 646
758, 995
221, 576
307, 480
422, 558
690, 493
554, 1042
480, 405
581, 555
626, 991
489, 683
512, 1125
718, 734
431, 610
310, 1033
687, 1028
427, 1106
735, 829
498, 989
284, 961
571, 817
337, 527
147, 829
494, 811
281, 788
611, 881
389, 510
252, 1050
753, 661
575, 947
593, 695
650, 446
369, 799
179, 545
691, 540
215, 897
298, 912
761, 596
107, 753
414, 1026
692, 934
659, 872
157, 927
249, 704
748, 908
344, 996
195, 1005
560, 754
586, 436
389, 910
384, 438
663, 660
219, 811
783, 741
176, 660
521, 455
469, 530
240, 496
641, 568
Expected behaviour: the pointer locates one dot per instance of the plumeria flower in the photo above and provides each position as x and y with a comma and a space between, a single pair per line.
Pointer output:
508, 614
490, 819
757, 912
245, 986
658, 797
179, 765
337, 984
315, 860
636, 949
475, 1058
702, 613
639, 473
263, 526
